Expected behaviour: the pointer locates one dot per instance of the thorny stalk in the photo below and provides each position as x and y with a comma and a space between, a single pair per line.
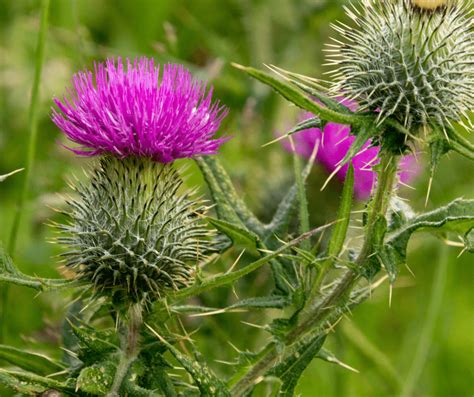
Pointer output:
316, 311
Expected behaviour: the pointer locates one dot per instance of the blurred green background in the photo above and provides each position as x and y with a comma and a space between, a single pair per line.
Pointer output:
207, 35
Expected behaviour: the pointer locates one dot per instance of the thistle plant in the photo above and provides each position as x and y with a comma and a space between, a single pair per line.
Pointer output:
133, 232
138, 242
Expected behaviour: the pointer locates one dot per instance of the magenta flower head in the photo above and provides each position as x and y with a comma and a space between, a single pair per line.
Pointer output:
128, 109
334, 141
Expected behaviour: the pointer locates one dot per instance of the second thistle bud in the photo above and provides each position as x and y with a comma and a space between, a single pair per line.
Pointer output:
410, 60
134, 234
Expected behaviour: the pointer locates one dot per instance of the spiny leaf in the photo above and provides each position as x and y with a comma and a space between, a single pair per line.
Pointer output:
299, 98
97, 379
227, 278
224, 209
9, 273
311, 87
469, 241
94, 345
208, 383
221, 178
36, 381
33, 362
290, 369
25, 388
238, 235
457, 216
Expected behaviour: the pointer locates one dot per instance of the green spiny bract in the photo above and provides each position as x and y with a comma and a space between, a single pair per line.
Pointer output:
133, 233
407, 63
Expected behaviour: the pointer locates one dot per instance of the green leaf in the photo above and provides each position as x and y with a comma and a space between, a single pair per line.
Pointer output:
9, 273
94, 345
223, 207
469, 241
312, 87
227, 278
230, 207
25, 388
457, 216
208, 383
97, 379
238, 235
17, 380
290, 369
33, 362
300, 99
5, 176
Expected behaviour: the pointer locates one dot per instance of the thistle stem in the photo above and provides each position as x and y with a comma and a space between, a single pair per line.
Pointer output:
31, 151
129, 351
316, 312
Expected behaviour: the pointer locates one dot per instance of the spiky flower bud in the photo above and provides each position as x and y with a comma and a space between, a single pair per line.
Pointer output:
134, 232
411, 60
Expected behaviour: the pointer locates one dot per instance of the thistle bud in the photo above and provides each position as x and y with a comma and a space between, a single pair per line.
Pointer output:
409, 64
134, 232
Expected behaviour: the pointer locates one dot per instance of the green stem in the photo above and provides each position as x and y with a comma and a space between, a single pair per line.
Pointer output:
129, 351
33, 128
427, 331
316, 311
302, 200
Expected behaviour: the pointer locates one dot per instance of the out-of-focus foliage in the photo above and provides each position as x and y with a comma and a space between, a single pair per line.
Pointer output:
207, 35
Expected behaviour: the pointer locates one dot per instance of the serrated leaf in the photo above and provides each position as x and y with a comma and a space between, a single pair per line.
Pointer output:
227, 278
457, 216
230, 207
97, 379
398, 214
238, 235
311, 87
9, 273
208, 383
5, 176
155, 374
22, 387
31, 380
33, 362
299, 98
469, 241
94, 345
290, 369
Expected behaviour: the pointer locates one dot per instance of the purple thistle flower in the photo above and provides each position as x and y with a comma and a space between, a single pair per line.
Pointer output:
334, 142
127, 110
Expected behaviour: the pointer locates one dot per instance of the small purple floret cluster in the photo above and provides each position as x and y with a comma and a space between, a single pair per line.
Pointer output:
334, 142
128, 109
